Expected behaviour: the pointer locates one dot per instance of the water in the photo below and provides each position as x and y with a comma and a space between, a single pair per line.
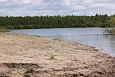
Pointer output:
97, 37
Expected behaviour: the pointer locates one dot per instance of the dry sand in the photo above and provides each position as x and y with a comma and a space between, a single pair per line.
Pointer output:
33, 56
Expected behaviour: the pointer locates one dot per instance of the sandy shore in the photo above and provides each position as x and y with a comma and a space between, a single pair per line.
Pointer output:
33, 56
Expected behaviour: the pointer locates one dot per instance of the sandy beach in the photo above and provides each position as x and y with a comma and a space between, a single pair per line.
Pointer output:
35, 56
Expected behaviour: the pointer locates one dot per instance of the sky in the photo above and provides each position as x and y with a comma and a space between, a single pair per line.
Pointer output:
56, 7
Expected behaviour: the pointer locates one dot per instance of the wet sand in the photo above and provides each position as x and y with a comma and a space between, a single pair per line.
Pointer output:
35, 56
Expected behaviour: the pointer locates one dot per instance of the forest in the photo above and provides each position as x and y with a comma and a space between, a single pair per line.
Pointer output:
36, 22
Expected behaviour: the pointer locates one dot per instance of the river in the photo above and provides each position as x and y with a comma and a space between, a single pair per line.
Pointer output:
97, 37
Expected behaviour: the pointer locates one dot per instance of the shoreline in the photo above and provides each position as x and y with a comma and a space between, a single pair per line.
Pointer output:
27, 55
101, 50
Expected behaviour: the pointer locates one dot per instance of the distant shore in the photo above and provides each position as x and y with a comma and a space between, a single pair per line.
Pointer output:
68, 21
36, 56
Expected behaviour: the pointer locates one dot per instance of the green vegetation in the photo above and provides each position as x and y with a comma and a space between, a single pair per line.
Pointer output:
112, 31
36, 22
3, 29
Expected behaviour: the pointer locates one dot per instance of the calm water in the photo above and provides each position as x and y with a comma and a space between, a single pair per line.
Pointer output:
97, 37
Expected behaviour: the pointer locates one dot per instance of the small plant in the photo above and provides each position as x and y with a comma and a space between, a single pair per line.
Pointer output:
51, 56
110, 31
113, 31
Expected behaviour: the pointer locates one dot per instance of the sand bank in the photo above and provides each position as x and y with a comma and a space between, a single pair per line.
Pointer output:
34, 56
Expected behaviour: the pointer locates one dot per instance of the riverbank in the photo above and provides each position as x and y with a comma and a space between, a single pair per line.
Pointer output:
35, 56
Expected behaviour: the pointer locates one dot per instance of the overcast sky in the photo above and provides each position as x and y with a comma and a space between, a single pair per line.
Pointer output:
56, 7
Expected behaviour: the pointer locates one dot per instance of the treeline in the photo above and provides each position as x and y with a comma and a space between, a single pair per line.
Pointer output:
35, 22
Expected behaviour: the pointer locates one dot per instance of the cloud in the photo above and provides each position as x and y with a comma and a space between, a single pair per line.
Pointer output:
56, 7
67, 2
26, 1
2, 1
104, 1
